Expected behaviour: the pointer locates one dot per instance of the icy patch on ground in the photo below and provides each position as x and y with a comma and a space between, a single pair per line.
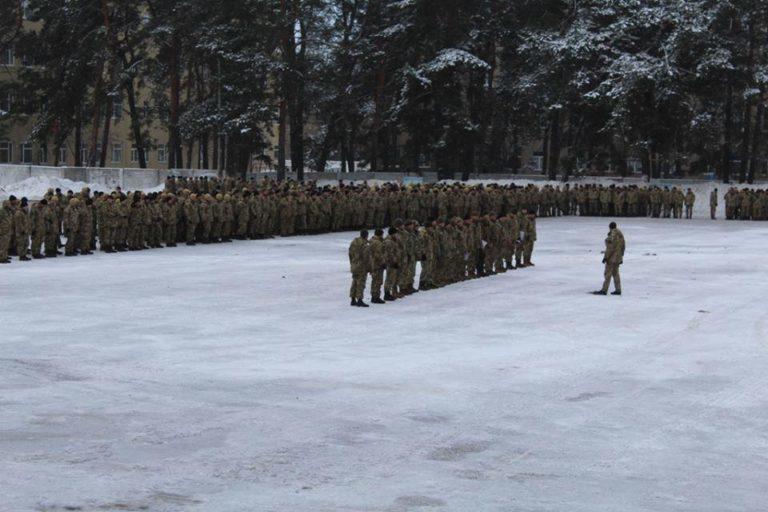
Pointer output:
236, 377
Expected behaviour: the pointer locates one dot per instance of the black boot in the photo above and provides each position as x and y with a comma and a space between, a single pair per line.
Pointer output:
353, 303
377, 300
599, 292
388, 297
617, 292
362, 304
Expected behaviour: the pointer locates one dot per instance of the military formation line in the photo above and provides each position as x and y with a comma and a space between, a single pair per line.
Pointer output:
449, 251
203, 210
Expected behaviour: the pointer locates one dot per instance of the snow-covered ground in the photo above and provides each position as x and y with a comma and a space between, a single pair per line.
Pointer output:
237, 378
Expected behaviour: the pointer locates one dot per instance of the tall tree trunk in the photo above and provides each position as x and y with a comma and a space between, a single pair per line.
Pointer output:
284, 91
105, 132
298, 104
515, 157
78, 137
545, 150
728, 132
757, 139
746, 137
138, 138
351, 149
215, 154
203, 164
554, 159
98, 101
376, 130
174, 139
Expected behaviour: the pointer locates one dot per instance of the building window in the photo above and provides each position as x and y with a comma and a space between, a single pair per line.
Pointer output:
6, 102
43, 154
117, 108
117, 153
162, 154
634, 165
28, 11
135, 154
6, 152
26, 153
6, 57
85, 156
537, 163
63, 155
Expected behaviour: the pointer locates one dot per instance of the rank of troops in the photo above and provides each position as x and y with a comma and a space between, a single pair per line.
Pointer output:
447, 250
746, 204
208, 210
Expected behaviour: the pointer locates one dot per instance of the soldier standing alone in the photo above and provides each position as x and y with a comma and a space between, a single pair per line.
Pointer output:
359, 264
690, 199
713, 204
613, 258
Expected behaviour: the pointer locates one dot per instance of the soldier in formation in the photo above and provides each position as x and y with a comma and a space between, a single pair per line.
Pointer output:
442, 252
746, 204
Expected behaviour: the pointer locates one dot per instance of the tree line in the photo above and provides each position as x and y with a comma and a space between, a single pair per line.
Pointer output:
449, 85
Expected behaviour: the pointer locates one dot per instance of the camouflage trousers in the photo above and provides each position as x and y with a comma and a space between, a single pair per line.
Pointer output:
427, 270
713, 212
5, 242
170, 233
22, 244
85, 238
490, 258
51, 243
406, 274
612, 272
357, 289
71, 245
527, 251
377, 281
689, 212
390, 283
37, 242
191, 230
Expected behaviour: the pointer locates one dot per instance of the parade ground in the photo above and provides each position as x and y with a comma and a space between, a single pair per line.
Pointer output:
236, 377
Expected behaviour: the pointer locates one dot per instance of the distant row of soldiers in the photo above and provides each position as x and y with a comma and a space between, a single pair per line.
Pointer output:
441, 200
746, 204
219, 210
447, 252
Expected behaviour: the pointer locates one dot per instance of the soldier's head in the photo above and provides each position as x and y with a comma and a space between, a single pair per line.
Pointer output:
12, 200
364, 234
392, 231
24, 202
43, 202
379, 232
612, 225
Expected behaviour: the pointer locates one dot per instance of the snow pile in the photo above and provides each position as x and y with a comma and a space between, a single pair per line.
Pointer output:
36, 187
